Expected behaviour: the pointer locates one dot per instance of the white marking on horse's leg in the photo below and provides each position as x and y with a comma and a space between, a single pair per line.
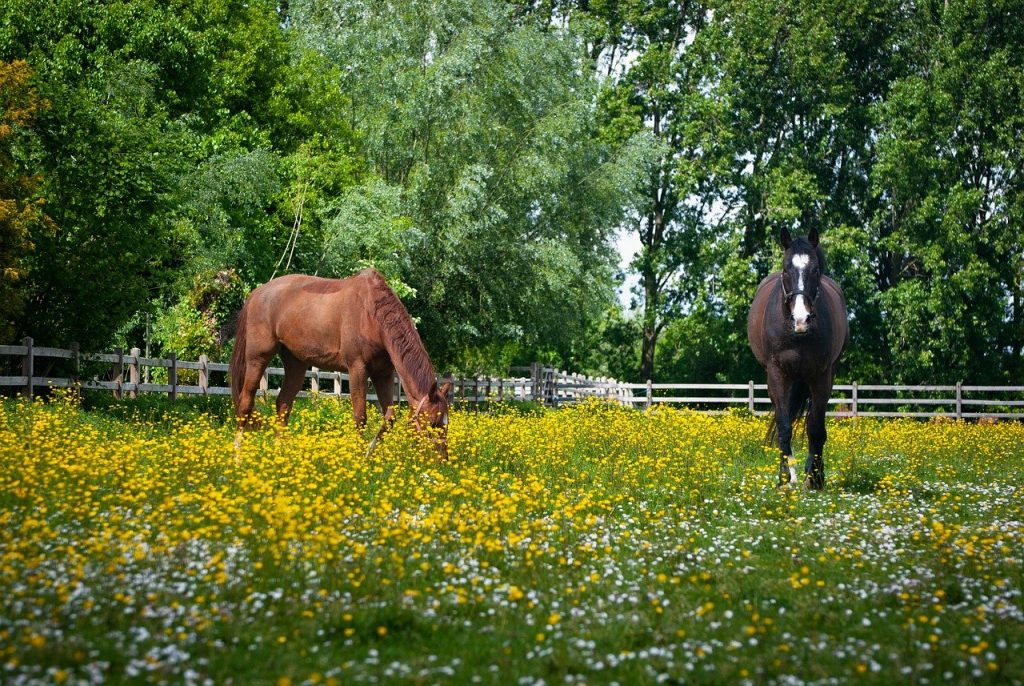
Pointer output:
786, 474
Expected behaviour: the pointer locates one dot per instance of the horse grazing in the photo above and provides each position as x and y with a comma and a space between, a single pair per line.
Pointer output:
797, 328
356, 325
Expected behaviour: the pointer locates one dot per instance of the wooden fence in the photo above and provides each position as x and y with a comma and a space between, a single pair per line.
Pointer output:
127, 375
956, 401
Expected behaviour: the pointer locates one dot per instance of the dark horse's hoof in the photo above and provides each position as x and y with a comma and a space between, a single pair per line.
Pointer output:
814, 481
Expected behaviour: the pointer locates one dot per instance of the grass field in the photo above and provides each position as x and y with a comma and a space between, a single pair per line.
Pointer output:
586, 545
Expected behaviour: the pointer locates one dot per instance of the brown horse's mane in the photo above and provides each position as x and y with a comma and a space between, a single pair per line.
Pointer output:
399, 334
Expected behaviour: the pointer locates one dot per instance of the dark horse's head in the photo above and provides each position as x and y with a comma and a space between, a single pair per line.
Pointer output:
802, 267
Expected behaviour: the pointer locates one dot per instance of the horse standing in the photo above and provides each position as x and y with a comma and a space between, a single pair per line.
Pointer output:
356, 325
797, 328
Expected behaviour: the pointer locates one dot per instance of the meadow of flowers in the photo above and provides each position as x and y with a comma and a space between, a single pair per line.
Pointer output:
593, 544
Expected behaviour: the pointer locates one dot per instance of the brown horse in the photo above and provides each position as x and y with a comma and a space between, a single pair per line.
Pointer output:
356, 325
797, 328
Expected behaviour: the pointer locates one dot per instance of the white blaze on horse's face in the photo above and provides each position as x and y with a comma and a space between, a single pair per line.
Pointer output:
801, 312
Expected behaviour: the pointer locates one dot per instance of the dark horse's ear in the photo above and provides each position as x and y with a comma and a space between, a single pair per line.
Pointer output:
813, 236
785, 238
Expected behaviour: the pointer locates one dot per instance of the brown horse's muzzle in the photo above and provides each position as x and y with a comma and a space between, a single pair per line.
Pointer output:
434, 428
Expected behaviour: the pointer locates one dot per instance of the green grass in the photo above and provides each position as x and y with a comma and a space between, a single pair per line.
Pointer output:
585, 545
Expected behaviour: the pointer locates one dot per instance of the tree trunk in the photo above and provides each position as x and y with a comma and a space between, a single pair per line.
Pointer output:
650, 328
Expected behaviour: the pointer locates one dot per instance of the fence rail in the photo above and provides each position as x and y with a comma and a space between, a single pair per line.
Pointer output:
132, 373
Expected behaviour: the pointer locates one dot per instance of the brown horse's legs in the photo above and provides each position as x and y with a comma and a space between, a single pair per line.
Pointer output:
357, 390
294, 376
814, 469
384, 384
254, 367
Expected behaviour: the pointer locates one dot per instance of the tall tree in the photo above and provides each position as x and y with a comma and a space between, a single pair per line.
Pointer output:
947, 253
21, 210
651, 80
795, 84
492, 196
184, 140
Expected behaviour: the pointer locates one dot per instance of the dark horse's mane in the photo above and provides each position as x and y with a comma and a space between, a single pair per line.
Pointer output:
399, 333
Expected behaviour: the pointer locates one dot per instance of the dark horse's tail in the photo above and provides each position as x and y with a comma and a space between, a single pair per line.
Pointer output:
237, 366
799, 394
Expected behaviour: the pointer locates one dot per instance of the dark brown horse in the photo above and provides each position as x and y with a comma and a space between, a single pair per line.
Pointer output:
356, 325
797, 329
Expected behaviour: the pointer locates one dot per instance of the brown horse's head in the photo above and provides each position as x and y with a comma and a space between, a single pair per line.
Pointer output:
802, 267
430, 417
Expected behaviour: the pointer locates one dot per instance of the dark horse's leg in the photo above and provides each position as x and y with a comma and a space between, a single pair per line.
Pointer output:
294, 377
779, 388
814, 469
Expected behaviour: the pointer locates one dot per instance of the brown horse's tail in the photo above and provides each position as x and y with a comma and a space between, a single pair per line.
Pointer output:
799, 395
237, 366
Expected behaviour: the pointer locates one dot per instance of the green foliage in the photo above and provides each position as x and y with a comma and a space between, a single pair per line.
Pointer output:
203, 320
483, 154
494, 197
949, 252
21, 212
889, 127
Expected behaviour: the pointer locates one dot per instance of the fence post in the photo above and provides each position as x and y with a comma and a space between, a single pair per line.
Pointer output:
314, 382
854, 398
204, 374
28, 364
750, 396
959, 400
172, 376
535, 379
337, 384
76, 355
650, 394
119, 374
265, 383
133, 373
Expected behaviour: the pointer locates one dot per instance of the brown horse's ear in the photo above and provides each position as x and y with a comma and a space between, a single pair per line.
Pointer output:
785, 238
813, 236
445, 388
